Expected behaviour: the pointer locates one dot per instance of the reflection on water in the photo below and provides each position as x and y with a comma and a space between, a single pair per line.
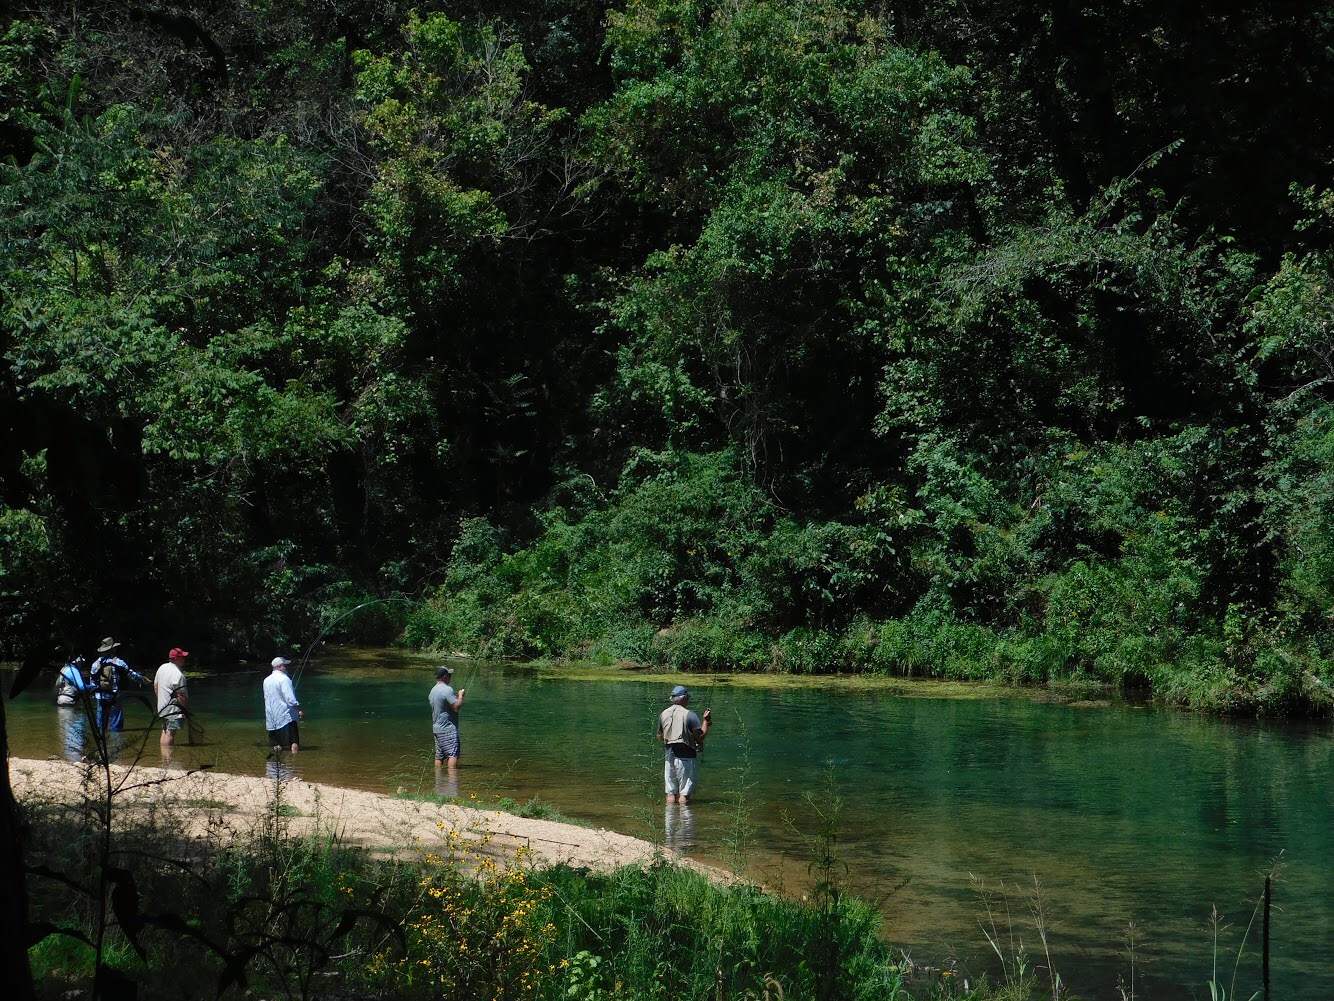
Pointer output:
72, 724
1125, 814
281, 766
679, 828
447, 782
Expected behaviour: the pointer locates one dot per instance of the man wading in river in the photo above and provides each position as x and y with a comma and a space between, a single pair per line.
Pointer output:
281, 709
683, 734
107, 677
445, 706
169, 686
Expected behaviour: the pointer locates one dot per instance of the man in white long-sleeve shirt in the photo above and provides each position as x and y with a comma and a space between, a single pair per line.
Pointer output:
281, 709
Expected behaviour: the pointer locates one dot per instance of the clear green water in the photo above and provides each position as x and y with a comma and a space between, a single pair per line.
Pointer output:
1123, 813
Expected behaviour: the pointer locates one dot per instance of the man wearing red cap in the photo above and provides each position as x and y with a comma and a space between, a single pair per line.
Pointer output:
169, 684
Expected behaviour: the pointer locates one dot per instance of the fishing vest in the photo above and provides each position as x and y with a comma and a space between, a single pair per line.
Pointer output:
66, 692
675, 723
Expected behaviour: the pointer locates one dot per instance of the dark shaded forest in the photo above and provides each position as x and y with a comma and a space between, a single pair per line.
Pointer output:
964, 340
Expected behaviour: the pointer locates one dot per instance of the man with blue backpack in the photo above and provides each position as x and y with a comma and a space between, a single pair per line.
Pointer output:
70, 684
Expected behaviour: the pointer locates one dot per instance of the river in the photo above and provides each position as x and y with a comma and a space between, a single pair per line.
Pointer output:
1123, 813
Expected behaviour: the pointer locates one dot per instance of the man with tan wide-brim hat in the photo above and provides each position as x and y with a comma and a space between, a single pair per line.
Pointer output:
107, 676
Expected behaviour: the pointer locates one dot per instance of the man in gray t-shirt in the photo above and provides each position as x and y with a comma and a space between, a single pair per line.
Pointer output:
445, 706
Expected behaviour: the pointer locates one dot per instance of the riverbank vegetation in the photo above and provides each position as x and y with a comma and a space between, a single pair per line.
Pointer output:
132, 895
967, 341
142, 900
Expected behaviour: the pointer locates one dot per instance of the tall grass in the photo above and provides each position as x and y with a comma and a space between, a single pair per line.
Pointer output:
299, 916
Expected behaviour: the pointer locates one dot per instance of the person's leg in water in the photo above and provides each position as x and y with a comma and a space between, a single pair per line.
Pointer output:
447, 750
678, 828
167, 742
687, 781
673, 773
446, 782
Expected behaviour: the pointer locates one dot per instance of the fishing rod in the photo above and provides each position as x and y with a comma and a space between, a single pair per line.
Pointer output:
472, 671
305, 658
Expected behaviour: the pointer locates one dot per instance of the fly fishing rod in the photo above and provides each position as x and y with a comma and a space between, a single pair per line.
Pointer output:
471, 672
305, 658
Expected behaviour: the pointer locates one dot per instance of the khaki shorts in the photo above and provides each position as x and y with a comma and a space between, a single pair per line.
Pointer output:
679, 775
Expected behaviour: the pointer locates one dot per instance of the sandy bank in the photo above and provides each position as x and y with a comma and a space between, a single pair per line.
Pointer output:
206, 801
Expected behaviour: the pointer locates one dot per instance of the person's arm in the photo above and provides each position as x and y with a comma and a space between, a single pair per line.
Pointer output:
458, 702
180, 696
287, 692
703, 730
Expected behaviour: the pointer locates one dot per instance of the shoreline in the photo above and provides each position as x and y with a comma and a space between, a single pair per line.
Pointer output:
205, 801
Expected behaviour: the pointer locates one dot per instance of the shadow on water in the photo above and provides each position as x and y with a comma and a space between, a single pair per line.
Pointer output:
1125, 813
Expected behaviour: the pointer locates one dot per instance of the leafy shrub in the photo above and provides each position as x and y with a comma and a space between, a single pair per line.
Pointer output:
711, 645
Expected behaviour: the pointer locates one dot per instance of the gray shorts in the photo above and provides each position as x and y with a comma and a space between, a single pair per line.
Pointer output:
174, 722
447, 744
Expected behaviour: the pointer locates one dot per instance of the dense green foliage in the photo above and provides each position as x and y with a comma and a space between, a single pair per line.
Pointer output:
962, 340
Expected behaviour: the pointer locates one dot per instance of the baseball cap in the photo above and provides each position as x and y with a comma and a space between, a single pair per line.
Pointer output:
443, 671
679, 691
177, 652
280, 662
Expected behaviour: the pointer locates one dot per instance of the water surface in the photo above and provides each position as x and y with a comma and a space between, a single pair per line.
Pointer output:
1124, 814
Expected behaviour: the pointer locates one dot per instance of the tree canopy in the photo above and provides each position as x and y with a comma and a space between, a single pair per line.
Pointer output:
971, 340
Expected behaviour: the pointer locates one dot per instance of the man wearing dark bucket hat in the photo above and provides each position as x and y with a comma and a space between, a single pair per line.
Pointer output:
445, 706
683, 734
107, 675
